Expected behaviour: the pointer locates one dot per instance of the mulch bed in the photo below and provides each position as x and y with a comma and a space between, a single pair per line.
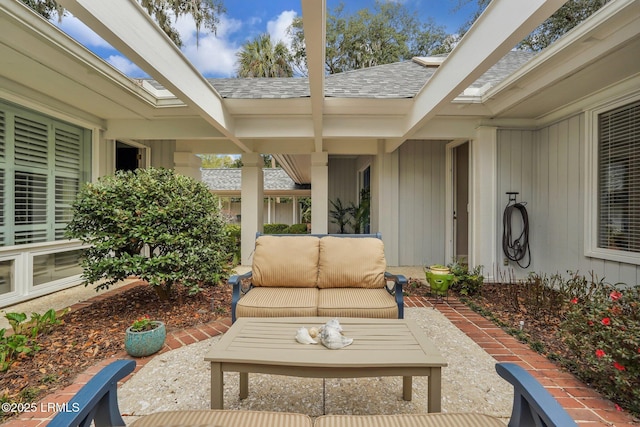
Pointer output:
96, 332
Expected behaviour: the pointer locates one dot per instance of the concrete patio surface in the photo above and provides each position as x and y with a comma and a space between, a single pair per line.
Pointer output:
472, 331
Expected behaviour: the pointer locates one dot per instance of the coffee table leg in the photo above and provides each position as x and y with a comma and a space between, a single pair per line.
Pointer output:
244, 385
434, 389
407, 383
217, 386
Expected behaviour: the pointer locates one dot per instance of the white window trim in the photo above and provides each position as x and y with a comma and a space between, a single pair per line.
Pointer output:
591, 248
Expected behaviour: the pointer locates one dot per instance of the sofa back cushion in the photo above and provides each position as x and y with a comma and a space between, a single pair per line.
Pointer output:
286, 261
351, 262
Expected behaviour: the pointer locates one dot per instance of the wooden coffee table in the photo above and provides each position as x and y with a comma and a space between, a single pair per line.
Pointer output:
381, 347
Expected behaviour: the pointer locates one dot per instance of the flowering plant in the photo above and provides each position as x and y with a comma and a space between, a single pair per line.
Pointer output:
143, 323
602, 328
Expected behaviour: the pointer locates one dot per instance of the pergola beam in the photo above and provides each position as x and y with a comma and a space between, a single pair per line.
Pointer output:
502, 25
128, 28
314, 23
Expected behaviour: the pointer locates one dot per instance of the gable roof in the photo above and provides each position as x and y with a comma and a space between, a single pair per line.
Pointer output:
228, 181
395, 80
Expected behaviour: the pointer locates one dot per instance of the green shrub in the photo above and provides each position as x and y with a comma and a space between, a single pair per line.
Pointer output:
152, 223
275, 228
603, 331
465, 281
233, 234
297, 229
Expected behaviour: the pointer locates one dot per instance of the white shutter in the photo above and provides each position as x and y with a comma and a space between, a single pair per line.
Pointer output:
619, 178
31, 143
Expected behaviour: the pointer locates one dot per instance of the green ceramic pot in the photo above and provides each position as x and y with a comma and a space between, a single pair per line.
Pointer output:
145, 343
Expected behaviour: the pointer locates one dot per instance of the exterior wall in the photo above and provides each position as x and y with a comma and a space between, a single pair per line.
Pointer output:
343, 184
547, 167
422, 202
281, 213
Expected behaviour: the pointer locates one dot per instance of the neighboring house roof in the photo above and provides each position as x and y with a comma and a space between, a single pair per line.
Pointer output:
396, 80
228, 181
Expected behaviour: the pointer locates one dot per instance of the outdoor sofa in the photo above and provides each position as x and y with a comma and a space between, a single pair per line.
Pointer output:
97, 402
328, 275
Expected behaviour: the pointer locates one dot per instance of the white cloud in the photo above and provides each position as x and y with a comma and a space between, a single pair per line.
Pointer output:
212, 54
125, 66
277, 28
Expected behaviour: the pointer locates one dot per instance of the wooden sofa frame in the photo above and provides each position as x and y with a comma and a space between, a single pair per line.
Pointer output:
398, 279
97, 401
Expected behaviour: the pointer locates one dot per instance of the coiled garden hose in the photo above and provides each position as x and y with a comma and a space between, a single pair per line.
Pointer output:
516, 250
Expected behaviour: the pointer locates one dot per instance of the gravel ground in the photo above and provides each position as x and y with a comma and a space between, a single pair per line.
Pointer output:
180, 380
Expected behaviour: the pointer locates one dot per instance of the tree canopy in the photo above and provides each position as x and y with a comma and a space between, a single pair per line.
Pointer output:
564, 19
388, 33
205, 13
261, 58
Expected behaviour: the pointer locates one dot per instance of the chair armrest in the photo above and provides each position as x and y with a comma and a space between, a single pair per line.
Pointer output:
236, 282
97, 400
399, 281
533, 405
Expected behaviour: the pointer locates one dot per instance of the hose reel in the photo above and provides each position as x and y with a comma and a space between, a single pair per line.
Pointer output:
515, 250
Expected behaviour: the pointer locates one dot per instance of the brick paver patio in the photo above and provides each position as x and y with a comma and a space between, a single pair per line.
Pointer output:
586, 406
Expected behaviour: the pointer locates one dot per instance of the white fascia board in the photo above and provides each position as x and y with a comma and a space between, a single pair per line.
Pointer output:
313, 20
128, 28
211, 146
275, 127
619, 21
43, 32
501, 26
165, 128
386, 126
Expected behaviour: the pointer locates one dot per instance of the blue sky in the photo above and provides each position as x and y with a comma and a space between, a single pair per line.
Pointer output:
215, 55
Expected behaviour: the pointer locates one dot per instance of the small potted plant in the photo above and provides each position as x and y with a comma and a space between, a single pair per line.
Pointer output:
144, 337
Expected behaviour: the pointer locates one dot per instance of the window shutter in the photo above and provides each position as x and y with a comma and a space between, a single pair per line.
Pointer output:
31, 143
3, 137
68, 162
619, 178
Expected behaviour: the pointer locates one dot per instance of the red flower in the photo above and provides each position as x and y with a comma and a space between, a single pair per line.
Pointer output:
618, 408
618, 366
606, 321
600, 353
615, 295
574, 301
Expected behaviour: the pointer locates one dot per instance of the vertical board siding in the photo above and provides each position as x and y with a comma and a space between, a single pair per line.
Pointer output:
422, 202
547, 168
343, 184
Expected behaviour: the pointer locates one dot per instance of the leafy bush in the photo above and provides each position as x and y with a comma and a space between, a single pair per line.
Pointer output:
152, 223
602, 328
233, 234
465, 281
275, 228
297, 229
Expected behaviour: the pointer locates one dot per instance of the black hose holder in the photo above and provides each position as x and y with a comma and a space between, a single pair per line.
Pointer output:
515, 250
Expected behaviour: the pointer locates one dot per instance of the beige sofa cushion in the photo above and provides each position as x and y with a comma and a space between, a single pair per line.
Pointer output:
356, 262
278, 302
223, 418
409, 420
286, 261
357, 302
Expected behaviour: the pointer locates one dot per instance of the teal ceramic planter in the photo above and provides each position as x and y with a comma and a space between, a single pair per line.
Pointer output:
145, 343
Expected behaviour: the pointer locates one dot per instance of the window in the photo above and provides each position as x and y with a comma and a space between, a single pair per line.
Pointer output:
618, 175
43, 161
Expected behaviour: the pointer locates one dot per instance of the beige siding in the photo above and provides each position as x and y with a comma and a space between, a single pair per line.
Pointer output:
547, 168
422, 203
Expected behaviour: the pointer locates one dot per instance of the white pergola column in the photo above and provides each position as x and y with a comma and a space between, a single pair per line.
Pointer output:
188, 164
484, 200
252, 203
319, 193
385, 201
